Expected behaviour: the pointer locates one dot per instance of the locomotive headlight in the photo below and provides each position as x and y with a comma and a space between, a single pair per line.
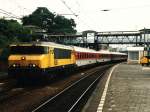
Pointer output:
32, 65
15, 65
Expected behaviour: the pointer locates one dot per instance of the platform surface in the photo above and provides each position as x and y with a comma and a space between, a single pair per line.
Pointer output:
128, 90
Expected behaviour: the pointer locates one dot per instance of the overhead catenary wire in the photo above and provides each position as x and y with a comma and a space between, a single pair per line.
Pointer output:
9, 14
73, 13
69, 8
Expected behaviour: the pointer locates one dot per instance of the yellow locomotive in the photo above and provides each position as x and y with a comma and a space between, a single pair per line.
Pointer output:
145, 60
42, 57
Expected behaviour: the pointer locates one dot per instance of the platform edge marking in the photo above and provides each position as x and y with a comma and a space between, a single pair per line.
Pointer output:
102, 101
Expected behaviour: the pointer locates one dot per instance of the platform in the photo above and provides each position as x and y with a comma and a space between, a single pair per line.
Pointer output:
128, 91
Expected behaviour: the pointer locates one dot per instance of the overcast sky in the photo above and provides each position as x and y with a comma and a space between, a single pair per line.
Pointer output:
123, 14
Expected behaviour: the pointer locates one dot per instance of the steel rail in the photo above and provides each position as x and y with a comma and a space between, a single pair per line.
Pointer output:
59, 93
85, 92
63, 91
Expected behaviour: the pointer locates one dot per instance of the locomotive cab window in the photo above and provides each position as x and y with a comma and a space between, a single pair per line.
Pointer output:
28, 50
62, 53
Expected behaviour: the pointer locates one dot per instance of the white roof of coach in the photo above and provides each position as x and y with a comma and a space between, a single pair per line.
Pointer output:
80, 49
104, 52
50, 44
118, 53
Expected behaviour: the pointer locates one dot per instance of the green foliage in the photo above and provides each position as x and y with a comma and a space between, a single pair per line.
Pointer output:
9, 28
41, 17
11, 31
4, 54
63, 25
52, 23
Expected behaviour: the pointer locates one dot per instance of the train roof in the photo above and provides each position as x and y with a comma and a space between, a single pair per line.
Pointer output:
55, 45
109, 52
104, 52
50, 44
81, 49
118, 53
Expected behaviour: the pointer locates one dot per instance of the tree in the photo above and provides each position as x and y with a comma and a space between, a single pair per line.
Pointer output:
41, 17
63, 25
52, 23
10, 31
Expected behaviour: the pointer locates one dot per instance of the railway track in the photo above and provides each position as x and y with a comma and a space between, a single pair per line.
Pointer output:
3, 76
6, 83
73, 98
28, 98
